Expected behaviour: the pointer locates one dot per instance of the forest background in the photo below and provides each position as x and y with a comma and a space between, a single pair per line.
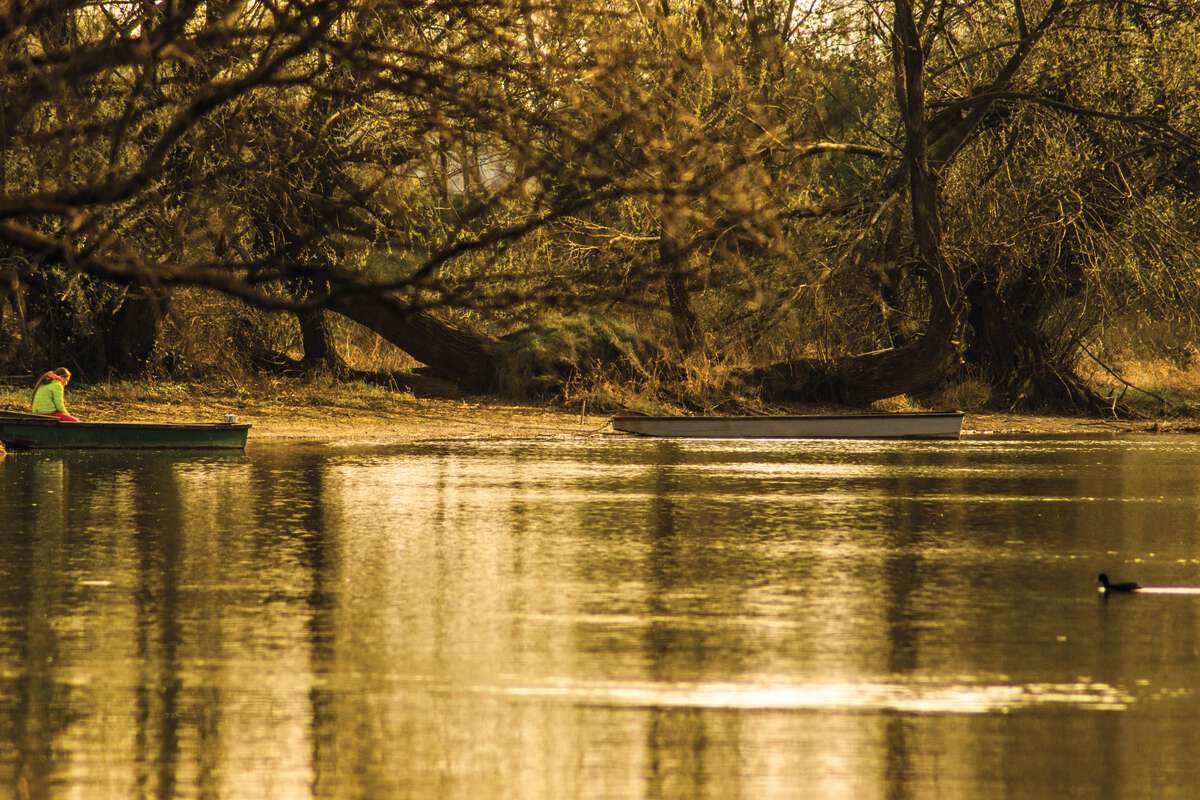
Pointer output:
704, 204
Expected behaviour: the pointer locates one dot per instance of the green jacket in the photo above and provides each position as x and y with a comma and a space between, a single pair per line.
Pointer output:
49, 398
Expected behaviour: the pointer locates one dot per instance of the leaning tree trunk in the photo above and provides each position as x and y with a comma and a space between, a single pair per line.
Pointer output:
536, 361
466, 358
864, 378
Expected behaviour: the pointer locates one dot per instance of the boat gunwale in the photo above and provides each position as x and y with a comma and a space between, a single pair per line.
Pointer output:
813, 417
139, 426
17, 445
126, 426
15, 418
24, 431
893, 426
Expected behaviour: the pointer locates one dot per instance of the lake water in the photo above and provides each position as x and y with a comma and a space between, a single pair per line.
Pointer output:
602, 618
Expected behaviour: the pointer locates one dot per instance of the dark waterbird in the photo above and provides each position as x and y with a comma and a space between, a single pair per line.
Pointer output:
1128, 586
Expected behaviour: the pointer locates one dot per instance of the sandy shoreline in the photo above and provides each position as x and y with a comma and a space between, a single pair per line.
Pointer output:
422, 419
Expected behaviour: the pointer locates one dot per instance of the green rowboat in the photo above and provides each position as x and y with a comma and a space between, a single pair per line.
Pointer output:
32, 431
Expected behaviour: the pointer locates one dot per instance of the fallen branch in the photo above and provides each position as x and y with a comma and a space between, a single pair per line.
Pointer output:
1128, 385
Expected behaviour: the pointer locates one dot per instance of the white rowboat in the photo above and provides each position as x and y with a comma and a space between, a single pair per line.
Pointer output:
911, 425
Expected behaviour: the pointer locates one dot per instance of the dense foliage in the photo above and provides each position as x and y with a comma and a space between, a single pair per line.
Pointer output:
847, 199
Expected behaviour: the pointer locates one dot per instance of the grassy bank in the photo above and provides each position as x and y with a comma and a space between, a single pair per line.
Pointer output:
361, 412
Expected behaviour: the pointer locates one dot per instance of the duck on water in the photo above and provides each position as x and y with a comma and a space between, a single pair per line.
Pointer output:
1107, 586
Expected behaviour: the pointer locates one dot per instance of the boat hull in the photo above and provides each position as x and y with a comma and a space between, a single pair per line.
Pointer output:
915, 425
28, 432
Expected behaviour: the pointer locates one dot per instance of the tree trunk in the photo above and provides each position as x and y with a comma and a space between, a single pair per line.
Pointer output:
464, 357
683, 318
1025, 367
925, 361
867, 377
132, 332
320, 350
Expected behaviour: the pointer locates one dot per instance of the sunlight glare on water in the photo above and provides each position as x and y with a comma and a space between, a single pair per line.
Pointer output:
778, 695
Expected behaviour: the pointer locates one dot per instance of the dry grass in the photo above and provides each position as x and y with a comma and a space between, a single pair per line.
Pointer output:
1154, 386
603, 393
326, 412
898, 404
707, 385
966, 394
118, 398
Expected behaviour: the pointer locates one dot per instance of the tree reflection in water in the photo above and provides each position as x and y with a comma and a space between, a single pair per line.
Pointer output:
639, 619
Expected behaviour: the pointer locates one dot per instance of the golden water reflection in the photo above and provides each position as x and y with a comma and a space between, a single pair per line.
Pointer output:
598, 619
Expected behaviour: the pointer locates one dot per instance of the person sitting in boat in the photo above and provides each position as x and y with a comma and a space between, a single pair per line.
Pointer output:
48, 395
